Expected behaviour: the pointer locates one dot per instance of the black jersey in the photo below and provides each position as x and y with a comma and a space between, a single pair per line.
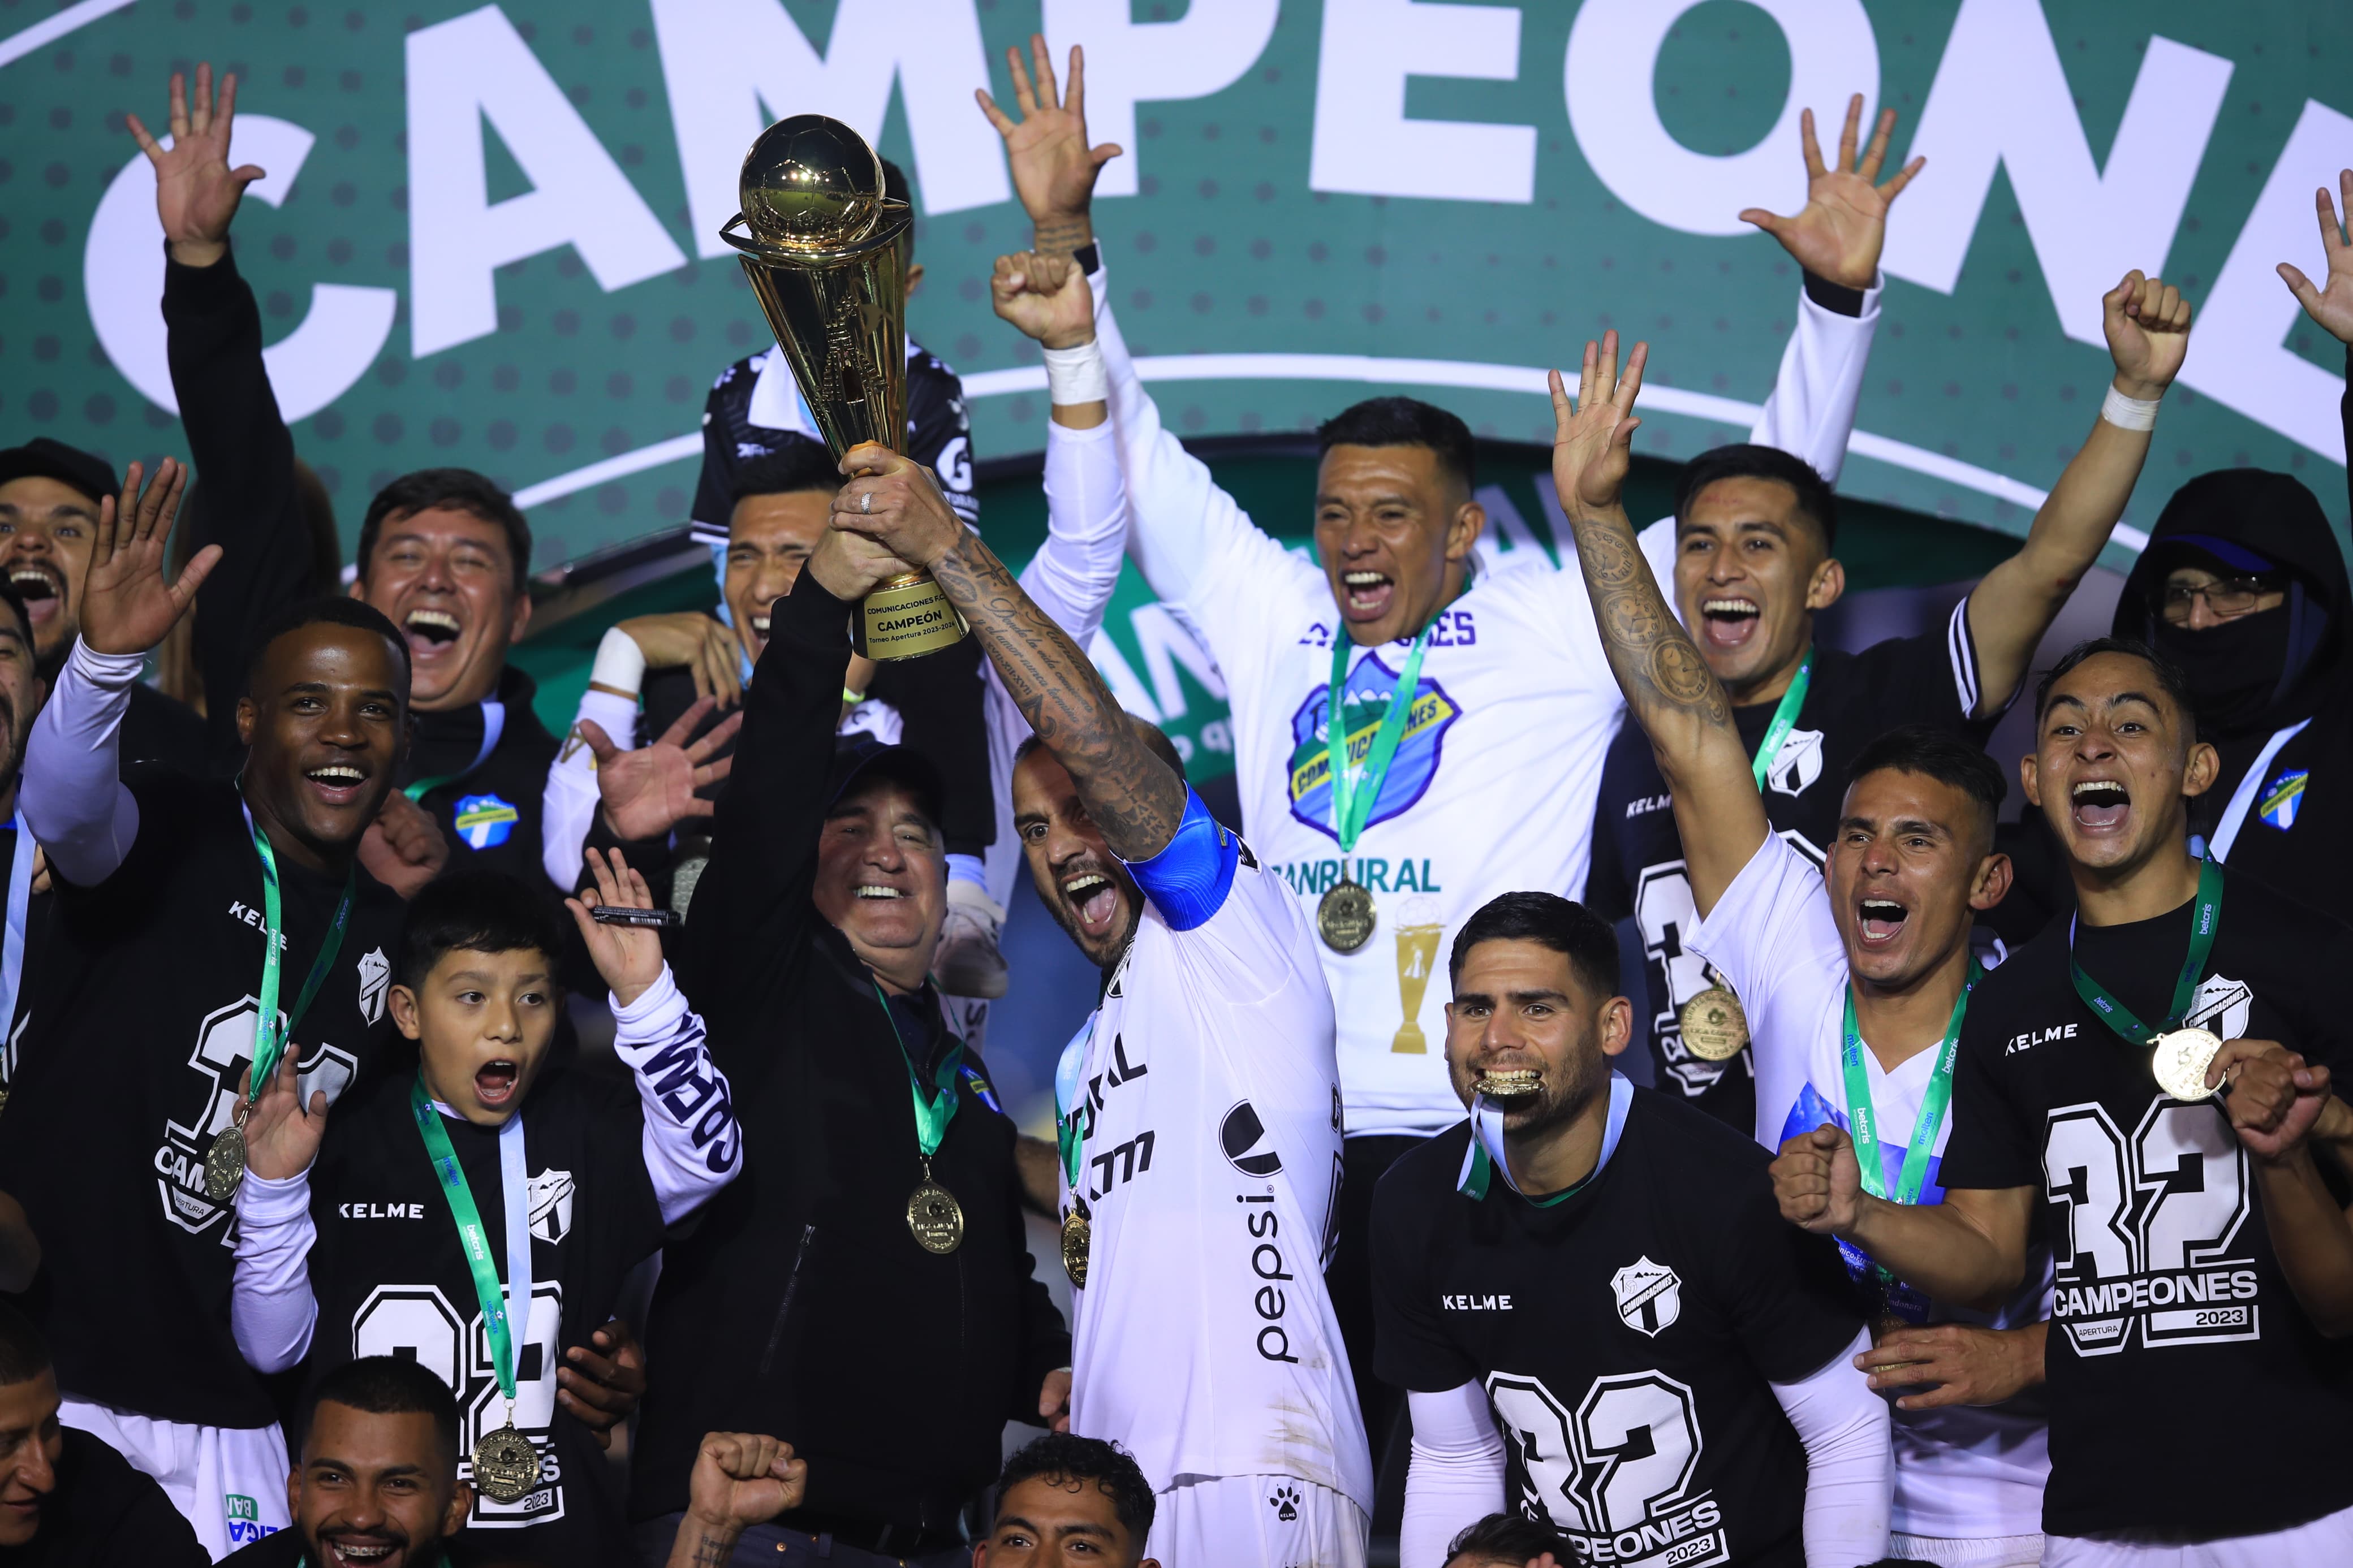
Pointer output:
2167, 1295
104, 1514
755, 408
1627, 1335
137, 1023
391, 1278
1638, 858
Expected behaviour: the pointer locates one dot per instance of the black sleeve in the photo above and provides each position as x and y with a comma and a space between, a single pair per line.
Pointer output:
1412, 1349
1605, 873
1931, 678
943, 703
124, 1519
714, 487
940, 434
1793, 1306
245, 501
1993, 1143
752, 904
167, 824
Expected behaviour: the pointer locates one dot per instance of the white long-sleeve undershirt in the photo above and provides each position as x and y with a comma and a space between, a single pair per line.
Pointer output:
1454, 1477
73, 796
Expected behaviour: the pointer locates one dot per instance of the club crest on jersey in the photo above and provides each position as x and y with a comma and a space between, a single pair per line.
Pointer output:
1797, 763
1364, 702
1243, 1137
551, 1206
223, 1051
1649, 1295
2222, 1004
484, 821
2283, 798
375, 980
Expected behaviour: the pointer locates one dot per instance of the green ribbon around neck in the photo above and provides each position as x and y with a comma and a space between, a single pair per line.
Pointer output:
470, 1235
1785, 719
1355, 790
935, 1111
270, 1035
2204, 924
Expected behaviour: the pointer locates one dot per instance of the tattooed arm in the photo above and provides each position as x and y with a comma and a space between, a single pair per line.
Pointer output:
1673, 693
1134, 797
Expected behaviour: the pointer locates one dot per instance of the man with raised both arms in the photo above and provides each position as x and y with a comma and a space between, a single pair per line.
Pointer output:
2087, 1087
1199, 1126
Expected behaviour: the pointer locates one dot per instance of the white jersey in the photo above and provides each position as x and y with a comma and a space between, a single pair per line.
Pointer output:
1491, 787
1962, 1471
1204, 1101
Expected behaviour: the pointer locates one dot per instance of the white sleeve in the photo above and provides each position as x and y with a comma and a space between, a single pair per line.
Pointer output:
1771, 934
1075, 572
1810, 413
691, 1144
1850, 1464
271, 1309
568, 802
73, 796
1454, 1476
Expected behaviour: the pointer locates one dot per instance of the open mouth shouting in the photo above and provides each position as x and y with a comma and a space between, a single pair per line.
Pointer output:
1366, 595
495, 1081
430, 630
1878, 921
1092, 899
361, 1550
1729, 620
43, 589
2100, 806
336, 784
760, 628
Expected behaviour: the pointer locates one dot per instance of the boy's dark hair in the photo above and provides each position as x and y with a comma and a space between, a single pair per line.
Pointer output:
460, 490
1817, 503
328, 609
1505, 1538
1551, 920
2168, 676
1060, 1458
1403, 422
792, 466
476, 911
24, 1354
1939, 755
391, 1385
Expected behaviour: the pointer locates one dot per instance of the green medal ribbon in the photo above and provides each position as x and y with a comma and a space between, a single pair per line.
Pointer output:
471, 1235
1785, 719
2205, 923
1354, 791
269, 1036
934, 1114
1864, 1119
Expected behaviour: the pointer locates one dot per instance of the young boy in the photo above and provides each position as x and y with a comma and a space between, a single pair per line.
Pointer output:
412, 1219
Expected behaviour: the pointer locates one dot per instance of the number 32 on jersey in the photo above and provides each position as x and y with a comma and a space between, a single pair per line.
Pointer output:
1614, 1473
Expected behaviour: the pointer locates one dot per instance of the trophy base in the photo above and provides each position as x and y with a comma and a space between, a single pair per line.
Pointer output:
906, 617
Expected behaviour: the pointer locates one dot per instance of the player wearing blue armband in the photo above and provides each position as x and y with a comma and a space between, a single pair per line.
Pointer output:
1199, 1133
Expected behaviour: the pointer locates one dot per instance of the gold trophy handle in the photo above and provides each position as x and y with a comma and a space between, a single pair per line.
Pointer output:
908, 614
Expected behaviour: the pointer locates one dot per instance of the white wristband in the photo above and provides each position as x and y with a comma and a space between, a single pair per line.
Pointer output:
2128, 412
1077, 375
620, 663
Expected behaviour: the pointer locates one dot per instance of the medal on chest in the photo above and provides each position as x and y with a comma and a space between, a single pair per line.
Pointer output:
1078, 1233
935, 1218
1715, 1029
1346, 914
1069, 1105
2180, 1052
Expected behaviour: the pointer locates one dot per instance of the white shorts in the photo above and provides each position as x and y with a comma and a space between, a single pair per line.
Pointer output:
2327, 1540
1968, 1552
1256, 1521
229, 1482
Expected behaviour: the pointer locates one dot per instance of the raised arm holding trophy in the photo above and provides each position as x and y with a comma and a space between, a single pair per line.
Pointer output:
826, 253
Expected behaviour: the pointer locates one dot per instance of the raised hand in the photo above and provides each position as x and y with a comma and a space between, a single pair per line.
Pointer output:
126, 605
196, 193
1046, 297
2331, 304
2274, 1097
742, 1478
629, 957
1054, 170
646, 792
281, 1138
2147, 324
1593, 441
894, 502
1838, 233
1818, 1183
402, 848
706, 647
602, 1383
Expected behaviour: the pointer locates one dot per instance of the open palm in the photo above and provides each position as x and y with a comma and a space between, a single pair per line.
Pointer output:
1053, 168
281, 1137
1592, 444
2330, 304
126, 603
1839, 233
196, 193
648, 791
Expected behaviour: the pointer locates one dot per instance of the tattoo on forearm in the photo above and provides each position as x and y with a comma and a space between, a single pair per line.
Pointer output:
1062, 235
1131, 794
712, 1551
1653, 656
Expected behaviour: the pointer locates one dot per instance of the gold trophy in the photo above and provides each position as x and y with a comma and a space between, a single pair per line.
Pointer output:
826, 252
1418, 927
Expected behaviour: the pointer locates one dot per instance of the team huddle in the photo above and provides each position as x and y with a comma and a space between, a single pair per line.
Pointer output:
1978, 1146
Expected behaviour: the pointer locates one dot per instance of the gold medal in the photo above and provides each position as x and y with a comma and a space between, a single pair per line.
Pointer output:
1078, 1232
934, 1216
1345, 916
506, 1466
2180, 1060
1511, 1083
224, 1163
1715, 1028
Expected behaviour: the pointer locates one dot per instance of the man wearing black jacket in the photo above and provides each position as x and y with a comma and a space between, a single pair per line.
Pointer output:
835, 1295
443, 551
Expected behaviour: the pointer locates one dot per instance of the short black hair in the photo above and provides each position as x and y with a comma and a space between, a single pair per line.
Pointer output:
478, 911
1817, 502
789, 466
2168, 675
390, 1386
1937, 754
1506, 1538
1060, 1458
333, 610
1403, 422
1550, 921
24, 1354
1156, 741
460, 490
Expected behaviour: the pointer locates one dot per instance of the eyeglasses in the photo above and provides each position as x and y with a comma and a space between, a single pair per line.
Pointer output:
2227, 597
